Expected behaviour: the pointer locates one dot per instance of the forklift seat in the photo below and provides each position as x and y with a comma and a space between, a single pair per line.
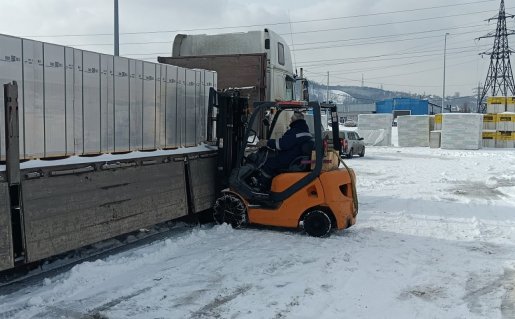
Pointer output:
302, 163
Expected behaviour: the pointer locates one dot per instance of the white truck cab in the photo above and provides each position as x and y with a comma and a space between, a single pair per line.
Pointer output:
279, 69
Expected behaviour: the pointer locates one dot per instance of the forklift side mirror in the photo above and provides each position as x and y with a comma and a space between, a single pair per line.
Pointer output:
266, 122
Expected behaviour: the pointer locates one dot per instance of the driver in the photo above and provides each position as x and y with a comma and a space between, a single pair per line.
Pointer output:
288, 147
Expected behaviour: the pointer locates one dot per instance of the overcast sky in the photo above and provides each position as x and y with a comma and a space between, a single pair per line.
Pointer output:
394, 44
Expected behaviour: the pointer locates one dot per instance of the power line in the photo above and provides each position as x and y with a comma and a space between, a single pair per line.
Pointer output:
390, 35
306, 43
393, 22
356, 60
258, 25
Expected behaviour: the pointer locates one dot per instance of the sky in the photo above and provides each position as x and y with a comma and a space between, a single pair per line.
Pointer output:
391, 44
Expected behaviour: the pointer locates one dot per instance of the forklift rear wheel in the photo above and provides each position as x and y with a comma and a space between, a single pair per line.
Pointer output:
317, 223
231, 210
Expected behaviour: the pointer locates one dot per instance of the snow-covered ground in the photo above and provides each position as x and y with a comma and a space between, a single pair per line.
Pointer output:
435, 238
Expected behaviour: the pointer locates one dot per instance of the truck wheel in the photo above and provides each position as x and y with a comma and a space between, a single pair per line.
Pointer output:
231, 210
316, 223
362, 152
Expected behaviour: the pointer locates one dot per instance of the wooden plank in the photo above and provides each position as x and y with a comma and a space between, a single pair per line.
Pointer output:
6, 245
67, 212
203, 183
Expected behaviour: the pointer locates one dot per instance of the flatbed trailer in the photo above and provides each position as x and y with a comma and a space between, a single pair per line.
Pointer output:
102, 146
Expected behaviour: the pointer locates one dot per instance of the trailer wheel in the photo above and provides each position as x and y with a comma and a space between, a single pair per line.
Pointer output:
317, 223
231, 210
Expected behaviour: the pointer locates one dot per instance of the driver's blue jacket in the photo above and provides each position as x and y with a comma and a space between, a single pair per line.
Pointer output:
289, 147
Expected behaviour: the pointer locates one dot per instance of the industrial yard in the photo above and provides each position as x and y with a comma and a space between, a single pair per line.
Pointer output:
434, 235
244, 159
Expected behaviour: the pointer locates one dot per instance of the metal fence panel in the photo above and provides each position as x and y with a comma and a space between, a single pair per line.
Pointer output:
157, 130
190, 120
161, 113
55, 100
199, 106
172, 138
11, 70
181, 106
106, 103
149, 106
33, 98
136, 104
78, 123
69, 83
91, 98
121, 105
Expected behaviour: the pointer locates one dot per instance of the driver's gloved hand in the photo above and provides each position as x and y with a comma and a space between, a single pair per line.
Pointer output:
262, 143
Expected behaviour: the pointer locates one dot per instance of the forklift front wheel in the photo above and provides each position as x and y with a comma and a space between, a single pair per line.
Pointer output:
231, 210
317, 223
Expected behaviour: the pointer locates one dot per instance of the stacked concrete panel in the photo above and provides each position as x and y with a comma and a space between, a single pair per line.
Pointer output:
432, 122
438, 122
505, 122
489, 138
413, 130
505, 139
496, 104
434, 139
376, 129
75, 102
505, 126
489, 121
510, 104
462, 131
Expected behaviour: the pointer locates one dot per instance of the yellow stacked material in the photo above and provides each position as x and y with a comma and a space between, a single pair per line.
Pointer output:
510, 104
489, 138
431, 122
489, 121
496, 104
438, 122
505, 122
505, 140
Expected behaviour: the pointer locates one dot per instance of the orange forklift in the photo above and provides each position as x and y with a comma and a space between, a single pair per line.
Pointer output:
311, 194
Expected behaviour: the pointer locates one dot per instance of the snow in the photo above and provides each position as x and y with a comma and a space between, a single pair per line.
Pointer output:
434, 239
112, 157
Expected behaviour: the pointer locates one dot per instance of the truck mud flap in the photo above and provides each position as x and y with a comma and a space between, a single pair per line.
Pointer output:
202, 181
6, 244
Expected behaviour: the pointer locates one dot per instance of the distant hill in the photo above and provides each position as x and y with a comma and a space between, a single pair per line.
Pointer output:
344, 94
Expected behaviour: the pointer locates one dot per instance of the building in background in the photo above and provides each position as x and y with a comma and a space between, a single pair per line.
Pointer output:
405, 106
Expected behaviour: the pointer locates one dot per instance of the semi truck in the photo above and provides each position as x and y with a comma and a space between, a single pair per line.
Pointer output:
106, 145
257, 62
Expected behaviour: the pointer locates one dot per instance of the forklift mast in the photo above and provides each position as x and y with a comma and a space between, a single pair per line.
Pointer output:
335, 124
228, 113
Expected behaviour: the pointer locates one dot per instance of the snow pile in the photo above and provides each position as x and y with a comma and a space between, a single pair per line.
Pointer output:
376, 129
413, 130
462, 131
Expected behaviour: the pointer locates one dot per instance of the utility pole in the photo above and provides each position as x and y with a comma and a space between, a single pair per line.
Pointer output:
500, 75
327, 88
116, 30
444, 54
